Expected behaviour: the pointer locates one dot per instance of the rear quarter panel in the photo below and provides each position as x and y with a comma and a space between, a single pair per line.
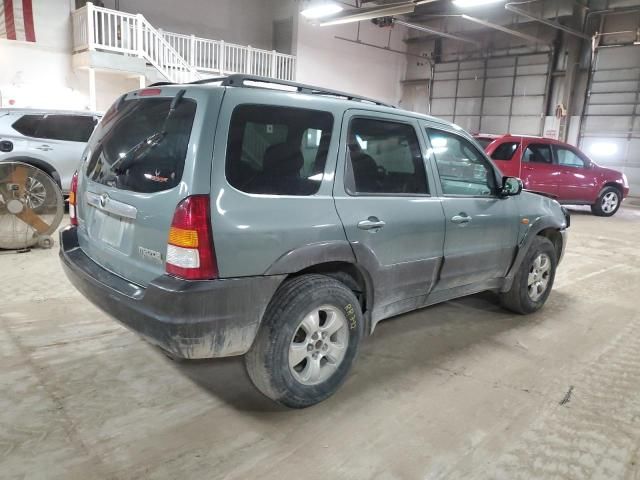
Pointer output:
251, 232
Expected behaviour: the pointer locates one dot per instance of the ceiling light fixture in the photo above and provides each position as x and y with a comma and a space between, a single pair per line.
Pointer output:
317, 10
474, 3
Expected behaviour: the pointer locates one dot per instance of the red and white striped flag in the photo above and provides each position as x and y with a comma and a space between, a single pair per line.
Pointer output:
16, 20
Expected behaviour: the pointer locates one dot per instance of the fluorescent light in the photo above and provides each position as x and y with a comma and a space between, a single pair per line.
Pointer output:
604, 149
473, 3
321, 10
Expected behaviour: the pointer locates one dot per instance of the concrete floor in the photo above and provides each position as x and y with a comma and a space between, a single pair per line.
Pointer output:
460, 390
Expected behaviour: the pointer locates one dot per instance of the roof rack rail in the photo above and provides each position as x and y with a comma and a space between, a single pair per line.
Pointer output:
240, 81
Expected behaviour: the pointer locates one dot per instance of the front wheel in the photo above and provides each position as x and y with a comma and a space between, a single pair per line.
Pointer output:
533, 281
307, 342
608, 202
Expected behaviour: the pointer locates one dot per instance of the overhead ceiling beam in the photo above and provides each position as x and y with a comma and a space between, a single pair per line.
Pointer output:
422, 28
369, 13
515, 33
512, 8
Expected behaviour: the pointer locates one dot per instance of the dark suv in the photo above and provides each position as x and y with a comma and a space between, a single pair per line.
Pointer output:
228, 218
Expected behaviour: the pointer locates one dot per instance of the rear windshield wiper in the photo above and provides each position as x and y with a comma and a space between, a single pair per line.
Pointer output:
127, 159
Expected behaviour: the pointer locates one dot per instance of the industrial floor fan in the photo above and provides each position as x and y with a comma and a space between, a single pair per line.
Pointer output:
31, 206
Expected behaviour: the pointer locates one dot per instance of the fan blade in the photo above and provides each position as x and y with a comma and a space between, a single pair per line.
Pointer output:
34, 221
19, 177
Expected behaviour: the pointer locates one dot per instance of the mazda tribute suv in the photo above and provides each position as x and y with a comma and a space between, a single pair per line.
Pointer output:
235, 216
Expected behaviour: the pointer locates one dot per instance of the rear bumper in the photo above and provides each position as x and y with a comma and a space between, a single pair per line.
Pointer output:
204, 319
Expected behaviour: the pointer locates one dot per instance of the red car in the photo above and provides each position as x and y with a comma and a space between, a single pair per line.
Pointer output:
559, 170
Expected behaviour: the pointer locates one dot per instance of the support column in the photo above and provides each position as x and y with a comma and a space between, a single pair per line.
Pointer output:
143, 81
93, 103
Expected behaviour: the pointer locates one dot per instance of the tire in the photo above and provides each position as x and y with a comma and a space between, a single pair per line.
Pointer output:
524, 298
608, 202
286, 333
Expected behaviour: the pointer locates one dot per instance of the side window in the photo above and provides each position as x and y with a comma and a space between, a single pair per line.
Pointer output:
463, 170
384, 158
28, 124
538, 153
69, 128
568, 158
505, 151
277, 150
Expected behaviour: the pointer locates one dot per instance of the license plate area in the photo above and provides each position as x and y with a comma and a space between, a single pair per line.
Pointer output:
108, 229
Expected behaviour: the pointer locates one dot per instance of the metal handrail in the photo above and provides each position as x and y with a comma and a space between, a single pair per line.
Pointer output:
179, 57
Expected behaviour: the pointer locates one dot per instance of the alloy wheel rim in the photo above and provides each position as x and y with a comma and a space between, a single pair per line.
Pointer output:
35, 193
319, 345
609, 202
539, 275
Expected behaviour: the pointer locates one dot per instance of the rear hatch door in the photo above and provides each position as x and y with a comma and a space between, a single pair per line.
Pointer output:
139, 164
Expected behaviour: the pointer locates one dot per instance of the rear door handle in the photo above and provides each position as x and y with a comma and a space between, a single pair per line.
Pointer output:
371, 223
461, 219
44, 148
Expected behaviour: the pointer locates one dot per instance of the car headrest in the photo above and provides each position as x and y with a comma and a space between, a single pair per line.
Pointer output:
282, 159
364, 164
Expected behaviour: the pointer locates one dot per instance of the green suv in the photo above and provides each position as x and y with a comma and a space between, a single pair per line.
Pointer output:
282, 222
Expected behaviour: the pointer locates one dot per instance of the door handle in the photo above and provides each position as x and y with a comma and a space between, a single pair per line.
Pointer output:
44, 148
461, 219
371, 223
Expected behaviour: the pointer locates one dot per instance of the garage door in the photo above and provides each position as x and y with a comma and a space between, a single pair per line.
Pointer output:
494, 95
610, 130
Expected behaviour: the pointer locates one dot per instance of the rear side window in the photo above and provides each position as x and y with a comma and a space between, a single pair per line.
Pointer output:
484, 142
384, 158
28, 124
277, 150
69, 128
538, 153
505, 151
139, 147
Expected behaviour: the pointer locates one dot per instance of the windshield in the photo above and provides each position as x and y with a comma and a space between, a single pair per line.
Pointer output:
128, 124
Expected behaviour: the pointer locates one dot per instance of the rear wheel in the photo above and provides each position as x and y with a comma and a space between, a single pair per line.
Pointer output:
307, 342
533, 281
608, 202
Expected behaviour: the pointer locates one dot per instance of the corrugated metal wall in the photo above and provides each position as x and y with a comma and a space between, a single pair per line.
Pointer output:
610, 130
494, 95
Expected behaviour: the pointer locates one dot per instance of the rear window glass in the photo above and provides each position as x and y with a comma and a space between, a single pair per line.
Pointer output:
505, 151
69, 128
139, 147
28, 125
277, 150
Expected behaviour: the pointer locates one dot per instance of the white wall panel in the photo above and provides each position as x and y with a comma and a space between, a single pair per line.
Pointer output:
505, 94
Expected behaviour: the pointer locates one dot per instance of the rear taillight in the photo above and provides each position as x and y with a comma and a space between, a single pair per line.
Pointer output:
190, 252
73, 194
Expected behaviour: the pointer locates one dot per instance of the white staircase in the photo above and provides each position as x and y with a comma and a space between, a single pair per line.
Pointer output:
178, 58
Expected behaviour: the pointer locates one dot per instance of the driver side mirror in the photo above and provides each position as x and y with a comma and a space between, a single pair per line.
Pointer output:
511, 186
